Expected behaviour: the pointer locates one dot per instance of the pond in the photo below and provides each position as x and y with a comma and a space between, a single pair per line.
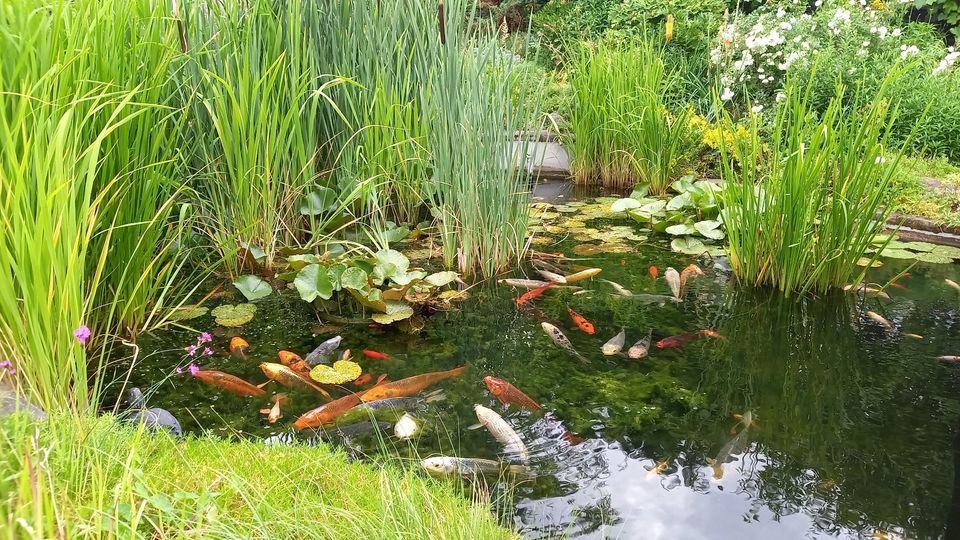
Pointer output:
855, 428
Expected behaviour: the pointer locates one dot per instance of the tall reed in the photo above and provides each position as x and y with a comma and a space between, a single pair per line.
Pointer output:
623, 133
801, 210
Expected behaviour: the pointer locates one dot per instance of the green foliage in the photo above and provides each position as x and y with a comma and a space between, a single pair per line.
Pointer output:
802, 218
944, 12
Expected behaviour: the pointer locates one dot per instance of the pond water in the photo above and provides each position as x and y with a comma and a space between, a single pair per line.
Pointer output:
856, 426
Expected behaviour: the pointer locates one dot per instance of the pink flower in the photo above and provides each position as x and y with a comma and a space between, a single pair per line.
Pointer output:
194, 369
204, 338
207, 351
191, 350
5, 364
178, 370
12, 371
82, 334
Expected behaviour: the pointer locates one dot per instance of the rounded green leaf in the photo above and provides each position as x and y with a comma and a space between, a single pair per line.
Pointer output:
408, 277
688, 245
392, 261
396, 311
318, 201
312, 282
253, 287
233, 315
681, 229
622, 205
439, 279
353, 278
297, 262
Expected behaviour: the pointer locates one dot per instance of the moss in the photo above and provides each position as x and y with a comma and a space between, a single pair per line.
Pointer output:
910, 195
93, 477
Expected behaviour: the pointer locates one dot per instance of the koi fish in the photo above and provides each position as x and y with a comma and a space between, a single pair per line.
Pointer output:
690, 271
561, 340
273, 413
534, 293
363, 379
914, 336
948, 358
410, 385
615, 345
658, 469
469, 467
641, 348
327, 413
321, 355
655, 298
550, 276
711, 334
509, 394
583, 274
736, 445
572, 438
376, 355
290, 378
746, 420
679, 340
239, 347
525, 283
654, 272
951, 283
673, 279
582, 322
381, 380
501, 431
619, 288
880, 320
406, 427
294, 362
228, 382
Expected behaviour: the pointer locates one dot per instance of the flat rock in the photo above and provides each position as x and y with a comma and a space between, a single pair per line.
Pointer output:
11, 402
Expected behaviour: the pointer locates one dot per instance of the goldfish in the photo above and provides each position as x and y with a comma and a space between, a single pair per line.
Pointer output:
376, 355
658, 468
948, 358
679, 340
410, 385
710, 333
880, 320
469, 466
736, 445
509, 394
615, 345
228, 382
619, 288
561, 340
550, 276
534, 293
406, 427
951, 283
321, 355
501, 431
290, 378
641, 348
582, 322
690, 271
239, 347
363, 379
582, 275
914, 336
273, 413
673, 279
654, 272
525, 283
572, 438
327, 413
746, 420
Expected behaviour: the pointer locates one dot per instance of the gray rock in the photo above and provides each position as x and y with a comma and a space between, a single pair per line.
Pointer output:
154, 418
11, 402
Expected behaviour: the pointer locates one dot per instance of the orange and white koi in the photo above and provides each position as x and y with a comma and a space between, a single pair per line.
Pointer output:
581, 321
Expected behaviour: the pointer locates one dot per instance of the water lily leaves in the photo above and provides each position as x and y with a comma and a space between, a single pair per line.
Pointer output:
680, 201
353, 278
689, 246
256, 252
573, 224
948, 251
185, 313
864, 261
921, 251
541, 241
297, 262
313, 282
407, 278
451, 295
709, 229
253, 287
390, 262
318, 201
233, 315
934, 258
546, 216
335, 272
898, 254
395, 311
439, 279
622, 205
554, 229
681, 229
342, 371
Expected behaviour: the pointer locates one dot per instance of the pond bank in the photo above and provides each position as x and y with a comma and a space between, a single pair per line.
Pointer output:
93, 474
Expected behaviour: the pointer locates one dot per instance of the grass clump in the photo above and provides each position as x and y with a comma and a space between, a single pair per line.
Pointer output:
912, 193
802, 210
623, 133
80, 477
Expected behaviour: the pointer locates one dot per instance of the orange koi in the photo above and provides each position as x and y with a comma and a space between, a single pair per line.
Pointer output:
410, 385
376, 355
239, 347
711, 333
508, 393
363, 379
654, 272
294, 362
273, 413
327, 412
572, 438
581, 321
530, 295
228, 382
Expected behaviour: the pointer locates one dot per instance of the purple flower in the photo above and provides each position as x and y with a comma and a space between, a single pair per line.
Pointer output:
204, 338
207, 351
194, 369
12, 371
82, 334
4, 364
178, 370
191, 350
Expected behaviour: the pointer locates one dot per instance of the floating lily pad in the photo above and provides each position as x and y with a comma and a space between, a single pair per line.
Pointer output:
439, 279
898, 254
948, 251
622, 205
934, 258
681, 229
587, 249
546, 216
919, 246
573, 224
710, 229
342, 371
554, 229
541, 241
451, 295
185, 313
313, 282
297, 262
395, 311
688, 245
864, 261
233, 315
253, 287
566, 209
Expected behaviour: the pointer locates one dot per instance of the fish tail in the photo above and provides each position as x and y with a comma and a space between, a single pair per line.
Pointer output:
432, 397
456, 372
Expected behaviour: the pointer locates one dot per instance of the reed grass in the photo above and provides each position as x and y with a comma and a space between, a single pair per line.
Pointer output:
623, 133
802, 209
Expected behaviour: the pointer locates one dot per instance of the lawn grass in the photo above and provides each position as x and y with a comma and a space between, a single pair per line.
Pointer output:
90, 478
911, 196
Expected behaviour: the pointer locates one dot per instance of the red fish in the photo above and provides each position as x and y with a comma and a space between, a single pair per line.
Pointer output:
581, 321
898, 285
327, 412
363, 379
678, 340
228, 382
410, 385
239, 347
654, 272
375, 354
510, 394
530, 295
711, 333
572, 438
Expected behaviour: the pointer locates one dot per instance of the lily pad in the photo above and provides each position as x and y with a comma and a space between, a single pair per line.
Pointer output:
313, 282
342, 371
864, 261
934, 258
681, 229
451, 295
297, 262
353, 278
948, 251
185, 313
546, 216
898, 254
318, 201
680, 201
439, 279
688, 245
253, 287
391, 262
233, 315
622, 205
541, 241
709, 229
573, 224
395, 311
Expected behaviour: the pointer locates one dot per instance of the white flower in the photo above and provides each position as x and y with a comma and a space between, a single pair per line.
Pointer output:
907, 52
880, 160
727, 94
896, 32
781, 96
757, 108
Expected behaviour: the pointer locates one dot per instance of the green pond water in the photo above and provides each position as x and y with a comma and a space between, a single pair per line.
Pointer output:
856, 431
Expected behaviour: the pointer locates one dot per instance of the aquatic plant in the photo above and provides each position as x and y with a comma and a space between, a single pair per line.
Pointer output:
800, 215
622, 132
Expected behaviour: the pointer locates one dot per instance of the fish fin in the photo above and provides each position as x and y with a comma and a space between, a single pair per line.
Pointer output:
434, 396
264, 411
474, 426
264, 384
738, 416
